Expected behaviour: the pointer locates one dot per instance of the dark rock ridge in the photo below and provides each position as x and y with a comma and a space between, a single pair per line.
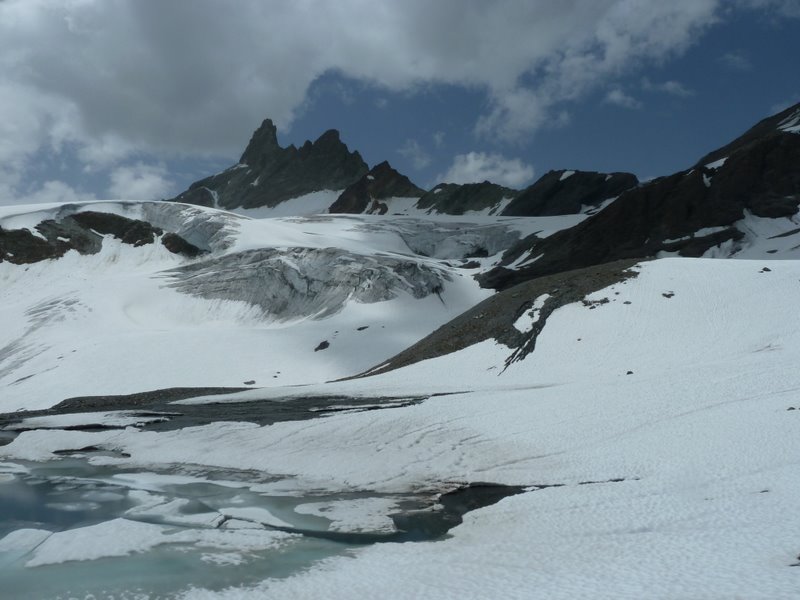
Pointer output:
688, 212
455, 199
268, 174
555, 193
568, 192
382, 182
494, 318
763, 128
84, 233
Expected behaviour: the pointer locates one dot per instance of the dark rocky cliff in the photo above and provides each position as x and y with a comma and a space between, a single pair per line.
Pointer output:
455, 199
268, 174
567, 192
760, 174
370, 193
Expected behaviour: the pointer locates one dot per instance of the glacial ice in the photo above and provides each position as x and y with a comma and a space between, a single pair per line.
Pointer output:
306, 282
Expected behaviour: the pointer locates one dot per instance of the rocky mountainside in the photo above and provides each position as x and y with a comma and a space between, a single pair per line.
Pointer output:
687, 213
674, 207
457, 199
568, 192
370, 193
84, 232
268, 174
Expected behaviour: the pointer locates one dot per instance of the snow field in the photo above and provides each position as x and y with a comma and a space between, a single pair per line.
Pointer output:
654, 429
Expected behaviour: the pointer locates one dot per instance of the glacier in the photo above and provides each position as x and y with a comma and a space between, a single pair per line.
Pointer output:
202, 404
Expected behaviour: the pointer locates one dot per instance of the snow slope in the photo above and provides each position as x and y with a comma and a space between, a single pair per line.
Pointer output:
255, 308
134, 318
658, 435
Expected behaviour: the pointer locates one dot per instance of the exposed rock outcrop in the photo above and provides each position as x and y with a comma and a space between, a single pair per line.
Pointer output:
456, 199
688, 212
83, 232
782, 121
568, 192
368, 194
268, 174
494, 318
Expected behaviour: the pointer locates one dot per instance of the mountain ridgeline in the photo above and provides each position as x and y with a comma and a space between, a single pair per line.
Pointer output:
689, 213
268, 174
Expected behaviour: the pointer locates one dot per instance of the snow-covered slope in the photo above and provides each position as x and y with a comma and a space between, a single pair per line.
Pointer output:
268, 301
656, 435
618, 420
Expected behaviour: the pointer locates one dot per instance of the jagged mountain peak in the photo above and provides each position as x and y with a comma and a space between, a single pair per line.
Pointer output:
268, 174
381, 183
329, 137
263, 141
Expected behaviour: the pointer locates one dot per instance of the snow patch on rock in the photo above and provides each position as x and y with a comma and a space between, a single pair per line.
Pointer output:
526, 321
791, 124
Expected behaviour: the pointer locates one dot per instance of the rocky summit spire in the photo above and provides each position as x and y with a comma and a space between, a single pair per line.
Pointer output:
263, 144
268, 174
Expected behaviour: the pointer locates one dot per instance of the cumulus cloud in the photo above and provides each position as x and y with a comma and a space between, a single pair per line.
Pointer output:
476, 167
412, 150
117, 79
620, 98
140, 182
196, 76
785, 8
49, 191
671, 87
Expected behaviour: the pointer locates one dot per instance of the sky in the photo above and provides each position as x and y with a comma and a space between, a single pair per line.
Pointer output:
135, 99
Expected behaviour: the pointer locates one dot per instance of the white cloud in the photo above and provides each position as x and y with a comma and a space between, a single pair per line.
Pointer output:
673, 88
415, 153
476, 167
620, 98
785, 8
515, 113
117, 79
49, 191
736, 61
195, 76
140, 182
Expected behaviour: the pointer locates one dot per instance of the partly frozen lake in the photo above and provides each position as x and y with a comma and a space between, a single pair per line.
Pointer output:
70, 528
117, 534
